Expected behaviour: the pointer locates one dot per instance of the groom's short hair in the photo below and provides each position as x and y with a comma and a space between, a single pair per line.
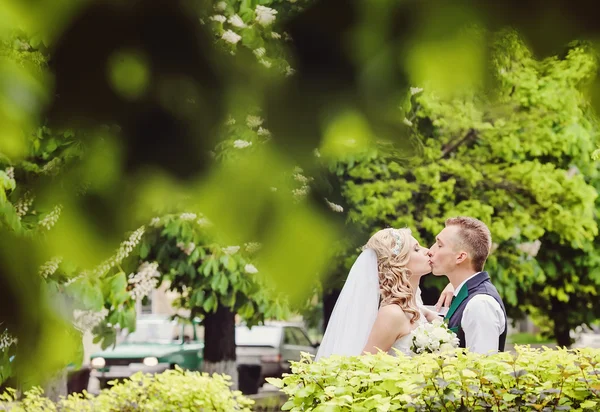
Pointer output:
475, 237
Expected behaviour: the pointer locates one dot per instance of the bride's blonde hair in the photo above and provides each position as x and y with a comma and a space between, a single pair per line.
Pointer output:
392, 247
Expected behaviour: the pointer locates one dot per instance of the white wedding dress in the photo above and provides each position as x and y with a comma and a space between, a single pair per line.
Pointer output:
405, 342
356, 310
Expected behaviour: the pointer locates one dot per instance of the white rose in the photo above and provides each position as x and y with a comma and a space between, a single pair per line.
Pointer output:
421, 340
446, 347
440, 334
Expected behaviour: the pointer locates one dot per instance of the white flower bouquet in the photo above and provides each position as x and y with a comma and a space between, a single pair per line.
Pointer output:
434, 337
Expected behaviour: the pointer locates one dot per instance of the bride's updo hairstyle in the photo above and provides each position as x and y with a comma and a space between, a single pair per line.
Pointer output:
392, 247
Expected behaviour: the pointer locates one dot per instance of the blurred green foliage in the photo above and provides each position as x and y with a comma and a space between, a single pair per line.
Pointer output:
114, 113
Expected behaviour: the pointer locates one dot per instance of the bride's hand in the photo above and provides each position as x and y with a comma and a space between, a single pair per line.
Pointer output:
429, 314
445, 298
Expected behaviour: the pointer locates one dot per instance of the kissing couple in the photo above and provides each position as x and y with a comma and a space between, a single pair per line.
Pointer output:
380, 305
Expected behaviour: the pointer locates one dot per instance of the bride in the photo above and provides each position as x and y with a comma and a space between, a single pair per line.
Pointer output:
380, 303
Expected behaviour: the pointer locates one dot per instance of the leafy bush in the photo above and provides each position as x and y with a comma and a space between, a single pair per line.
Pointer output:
169, 391
530, 379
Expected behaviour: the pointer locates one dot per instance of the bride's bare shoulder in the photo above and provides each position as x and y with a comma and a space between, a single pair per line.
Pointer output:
396, 318
393, 312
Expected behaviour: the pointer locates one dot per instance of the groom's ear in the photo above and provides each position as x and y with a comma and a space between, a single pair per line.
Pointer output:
462, 256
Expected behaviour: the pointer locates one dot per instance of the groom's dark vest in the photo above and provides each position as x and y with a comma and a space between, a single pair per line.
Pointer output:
478, 285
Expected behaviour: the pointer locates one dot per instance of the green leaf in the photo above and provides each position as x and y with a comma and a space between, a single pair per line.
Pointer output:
588, 404
88, 294
117, 288
144, 250
210, 304
223, 285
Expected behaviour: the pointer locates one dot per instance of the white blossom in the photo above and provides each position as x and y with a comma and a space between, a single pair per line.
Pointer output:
155, 222
237, 21
124, 250
531, 249
75, 278
10, 172
50, 267
51, 218
230, 250
334, 207
573, 170
260, 52
144, 281
221, 6
265, 63
300, 193
231, 37
203, 222
275, 35
494, 247
6, 340
265, 16
218, 18
188, 216
230, 121
51, 166
187, 249
264, 132
289, 71
23, 204
254, 121
250, 268
86, 320
252, 247
301, 178
241, 144
415, 90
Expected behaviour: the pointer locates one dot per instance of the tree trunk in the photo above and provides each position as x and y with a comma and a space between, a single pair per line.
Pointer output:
562, 334
57, 386
219, 344
329, 300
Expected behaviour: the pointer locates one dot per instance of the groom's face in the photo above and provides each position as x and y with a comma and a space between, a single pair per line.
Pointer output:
443, 254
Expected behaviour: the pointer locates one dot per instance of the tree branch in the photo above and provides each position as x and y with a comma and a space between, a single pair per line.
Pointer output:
471, 135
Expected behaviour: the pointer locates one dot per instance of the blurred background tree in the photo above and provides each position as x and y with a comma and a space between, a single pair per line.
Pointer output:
113, 114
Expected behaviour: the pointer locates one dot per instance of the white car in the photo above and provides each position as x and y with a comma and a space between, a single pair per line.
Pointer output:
587, 337
265, 351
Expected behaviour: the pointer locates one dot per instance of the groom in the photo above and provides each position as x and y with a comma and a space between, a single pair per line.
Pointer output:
477, 313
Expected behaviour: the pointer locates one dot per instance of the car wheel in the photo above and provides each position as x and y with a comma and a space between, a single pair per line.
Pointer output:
249, 379
103, 383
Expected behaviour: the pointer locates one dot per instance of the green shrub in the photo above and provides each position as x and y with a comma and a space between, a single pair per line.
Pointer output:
530, 379
173, 390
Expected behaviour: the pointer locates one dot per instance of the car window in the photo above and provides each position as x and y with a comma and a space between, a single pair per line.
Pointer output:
258, 336
289, 337
154, 331
301, 337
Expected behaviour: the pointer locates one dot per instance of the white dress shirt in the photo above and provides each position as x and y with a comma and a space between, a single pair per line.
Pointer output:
482, 321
